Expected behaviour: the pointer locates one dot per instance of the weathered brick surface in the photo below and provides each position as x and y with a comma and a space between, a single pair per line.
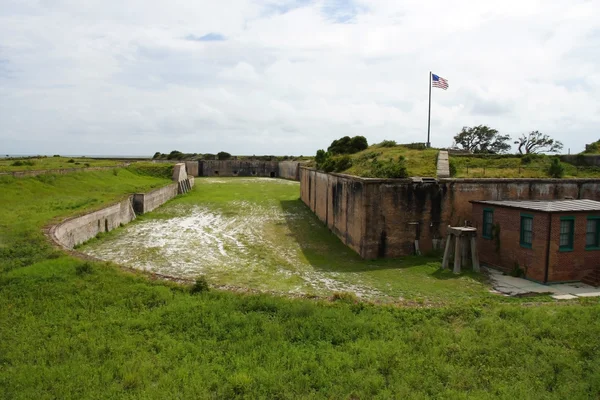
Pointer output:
383, 217
238, 168
504, 251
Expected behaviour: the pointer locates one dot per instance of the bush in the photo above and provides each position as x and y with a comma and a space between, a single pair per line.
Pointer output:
390, 168
556, 169
348, 145
71, 161
157, 155
223, 155
21, 163
388, 143
336, 163
56, 155
200, 286
529, 158
84, 269
175, 155
344, 297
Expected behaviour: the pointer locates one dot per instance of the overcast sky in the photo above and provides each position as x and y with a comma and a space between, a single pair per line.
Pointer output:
131, 77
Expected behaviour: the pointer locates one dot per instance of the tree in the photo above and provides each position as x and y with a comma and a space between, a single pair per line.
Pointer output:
321, 156
536, 142
482, 139
223, 155
348, 145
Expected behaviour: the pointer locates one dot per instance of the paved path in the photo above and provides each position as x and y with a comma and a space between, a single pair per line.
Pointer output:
443, 166
511, 286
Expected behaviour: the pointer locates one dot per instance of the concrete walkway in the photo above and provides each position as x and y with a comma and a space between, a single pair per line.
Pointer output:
511, 286
443, 165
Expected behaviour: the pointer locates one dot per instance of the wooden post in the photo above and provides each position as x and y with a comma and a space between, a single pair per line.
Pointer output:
457, 254
474, 254
446, 260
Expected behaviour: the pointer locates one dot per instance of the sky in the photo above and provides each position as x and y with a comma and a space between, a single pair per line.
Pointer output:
287, 77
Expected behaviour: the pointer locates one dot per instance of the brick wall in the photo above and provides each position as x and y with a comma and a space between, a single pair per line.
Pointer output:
571, 265
504, 251
383, 217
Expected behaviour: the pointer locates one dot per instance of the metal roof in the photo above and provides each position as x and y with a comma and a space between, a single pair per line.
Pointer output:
546, 205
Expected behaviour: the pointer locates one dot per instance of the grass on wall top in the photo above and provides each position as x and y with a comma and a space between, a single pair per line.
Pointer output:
418, 162
43, 163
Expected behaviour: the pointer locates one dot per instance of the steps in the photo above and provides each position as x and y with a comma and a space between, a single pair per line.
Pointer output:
593, 278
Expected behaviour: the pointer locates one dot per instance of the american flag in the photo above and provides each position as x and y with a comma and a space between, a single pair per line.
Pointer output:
439, 82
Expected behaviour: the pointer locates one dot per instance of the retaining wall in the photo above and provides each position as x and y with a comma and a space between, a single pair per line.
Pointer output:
146, 202
289, 170
592, 160
383, 217
77, 230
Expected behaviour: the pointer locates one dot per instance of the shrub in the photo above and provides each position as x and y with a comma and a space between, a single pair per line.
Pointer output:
56, 155
87, 164
21, 163
115, 171
223, 155
84, 269
157, 155
71, 161
344, 297
388, 143
390, 168
175, 155
556, 169
348, 145
336, 163
200, 286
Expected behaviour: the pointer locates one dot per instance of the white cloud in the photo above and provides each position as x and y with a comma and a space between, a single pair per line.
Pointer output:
120, 77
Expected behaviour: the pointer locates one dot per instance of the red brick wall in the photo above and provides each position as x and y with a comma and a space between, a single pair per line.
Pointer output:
571, 265
507, 251
383, 217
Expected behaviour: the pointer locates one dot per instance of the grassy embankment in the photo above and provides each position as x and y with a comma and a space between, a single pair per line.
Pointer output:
44, 163
507, 166
418, 162
76, 330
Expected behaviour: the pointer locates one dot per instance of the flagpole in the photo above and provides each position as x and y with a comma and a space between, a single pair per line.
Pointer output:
429, 115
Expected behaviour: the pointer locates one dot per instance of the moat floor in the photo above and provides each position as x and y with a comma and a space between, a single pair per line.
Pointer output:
255, 233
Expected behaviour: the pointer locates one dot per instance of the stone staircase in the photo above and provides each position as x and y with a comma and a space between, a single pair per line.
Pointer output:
443, 165
593, 278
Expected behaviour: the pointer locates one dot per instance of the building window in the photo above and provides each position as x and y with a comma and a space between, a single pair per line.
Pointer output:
488, 223
592, 233
526, 230
566, 233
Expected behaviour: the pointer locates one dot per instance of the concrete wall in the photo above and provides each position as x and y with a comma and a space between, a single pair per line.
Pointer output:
289, 170
238, 168
592, 160
192, 167
77, 230
61, 171
146, 202
394, 213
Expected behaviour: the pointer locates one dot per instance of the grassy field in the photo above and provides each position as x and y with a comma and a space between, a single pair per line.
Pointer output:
41, 163
256, 233
514, 167
73, 329
418, 162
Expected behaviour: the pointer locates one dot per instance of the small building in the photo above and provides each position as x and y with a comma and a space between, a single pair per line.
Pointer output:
549, 241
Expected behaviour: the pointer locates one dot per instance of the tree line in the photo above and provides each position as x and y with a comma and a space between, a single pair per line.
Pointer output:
482, 139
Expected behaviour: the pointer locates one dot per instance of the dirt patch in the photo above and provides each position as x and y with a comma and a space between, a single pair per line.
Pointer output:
243, 244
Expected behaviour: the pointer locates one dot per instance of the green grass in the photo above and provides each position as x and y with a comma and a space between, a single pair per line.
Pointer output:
71, 329
43, 163
513, 167
418, 162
